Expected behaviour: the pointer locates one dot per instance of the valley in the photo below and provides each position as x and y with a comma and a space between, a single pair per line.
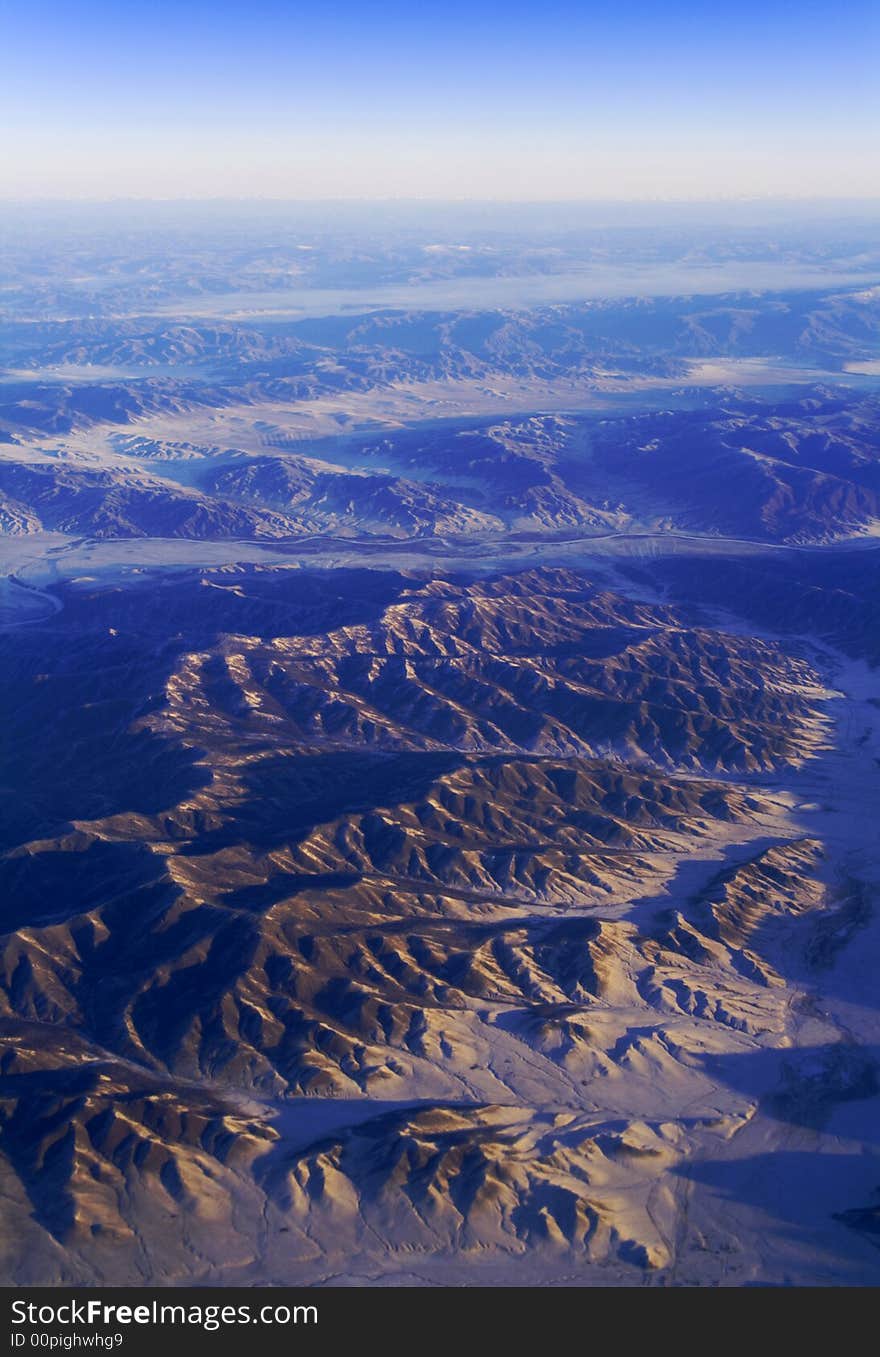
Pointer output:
440, 755
556, 904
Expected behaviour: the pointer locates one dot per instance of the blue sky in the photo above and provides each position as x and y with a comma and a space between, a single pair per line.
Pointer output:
483, 100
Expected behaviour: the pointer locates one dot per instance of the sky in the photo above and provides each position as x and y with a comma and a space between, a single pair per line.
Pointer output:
547, 101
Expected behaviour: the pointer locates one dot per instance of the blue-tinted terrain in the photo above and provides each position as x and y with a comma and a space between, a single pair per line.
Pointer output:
441, 744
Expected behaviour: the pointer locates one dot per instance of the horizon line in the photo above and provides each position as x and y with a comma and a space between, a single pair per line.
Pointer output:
716, 200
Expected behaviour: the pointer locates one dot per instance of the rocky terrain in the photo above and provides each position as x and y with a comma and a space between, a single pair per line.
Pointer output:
440, 757
366, 922
803, 471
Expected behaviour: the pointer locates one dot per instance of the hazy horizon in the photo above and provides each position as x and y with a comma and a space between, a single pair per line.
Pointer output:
403, 200
439, 640
503, 103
